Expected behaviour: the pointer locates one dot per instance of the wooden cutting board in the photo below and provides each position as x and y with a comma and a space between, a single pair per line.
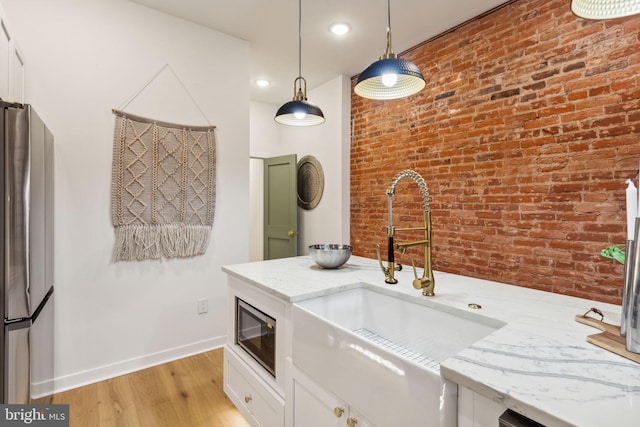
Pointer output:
609, 338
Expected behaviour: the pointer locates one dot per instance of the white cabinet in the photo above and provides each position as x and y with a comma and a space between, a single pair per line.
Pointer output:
475, 410
257, 393
257, 402
16, 75
11, 65
5, 58
315, 407
356, 419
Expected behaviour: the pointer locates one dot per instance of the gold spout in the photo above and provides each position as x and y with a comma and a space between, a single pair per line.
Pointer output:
426, 282
404, 246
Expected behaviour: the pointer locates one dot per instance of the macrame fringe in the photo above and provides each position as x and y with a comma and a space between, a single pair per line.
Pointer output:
140, 242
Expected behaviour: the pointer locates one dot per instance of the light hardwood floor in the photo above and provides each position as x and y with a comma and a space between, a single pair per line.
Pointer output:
187, 392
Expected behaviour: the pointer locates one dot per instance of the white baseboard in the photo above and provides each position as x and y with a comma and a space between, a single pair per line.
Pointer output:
101, 373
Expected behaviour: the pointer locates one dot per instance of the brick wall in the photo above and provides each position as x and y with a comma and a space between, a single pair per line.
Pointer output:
525, 134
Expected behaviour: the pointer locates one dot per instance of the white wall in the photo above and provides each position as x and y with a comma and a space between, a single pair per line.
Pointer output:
329, 143
265, 139
265, 131
84, 58
256, 209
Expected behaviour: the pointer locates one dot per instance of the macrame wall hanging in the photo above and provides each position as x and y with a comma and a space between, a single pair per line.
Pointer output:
163, 187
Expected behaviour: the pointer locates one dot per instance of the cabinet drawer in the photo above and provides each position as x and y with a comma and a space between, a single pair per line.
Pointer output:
255, 399
313, 407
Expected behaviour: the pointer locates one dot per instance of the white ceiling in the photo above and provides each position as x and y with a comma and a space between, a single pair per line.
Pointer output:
271, 28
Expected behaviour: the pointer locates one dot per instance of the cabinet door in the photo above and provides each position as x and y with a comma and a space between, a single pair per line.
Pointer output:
313, 407
356, 419
238, 388
255, 400
5, 58
475, 410
16, 76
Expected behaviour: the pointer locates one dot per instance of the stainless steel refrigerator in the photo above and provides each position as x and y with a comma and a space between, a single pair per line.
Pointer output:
26, 255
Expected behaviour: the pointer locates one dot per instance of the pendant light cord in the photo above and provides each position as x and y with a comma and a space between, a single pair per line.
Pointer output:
299, 112
388, 53
299, 38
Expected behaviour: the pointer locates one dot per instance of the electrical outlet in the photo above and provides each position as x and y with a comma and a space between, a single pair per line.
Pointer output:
203, 306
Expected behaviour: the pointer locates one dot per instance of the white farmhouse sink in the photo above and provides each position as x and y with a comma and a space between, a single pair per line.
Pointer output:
380, 351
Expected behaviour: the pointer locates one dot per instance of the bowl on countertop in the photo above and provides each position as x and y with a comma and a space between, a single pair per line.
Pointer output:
330, 255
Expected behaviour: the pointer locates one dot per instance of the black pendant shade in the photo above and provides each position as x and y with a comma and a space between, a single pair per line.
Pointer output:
299, 111
390, 77
372, 82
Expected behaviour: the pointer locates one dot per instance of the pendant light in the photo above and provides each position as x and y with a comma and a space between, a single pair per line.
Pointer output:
299, 112
604, 9
390, 77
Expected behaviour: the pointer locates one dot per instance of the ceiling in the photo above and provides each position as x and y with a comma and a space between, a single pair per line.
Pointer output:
271, 28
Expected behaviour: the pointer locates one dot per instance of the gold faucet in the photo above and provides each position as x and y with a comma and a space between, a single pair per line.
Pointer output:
426, 281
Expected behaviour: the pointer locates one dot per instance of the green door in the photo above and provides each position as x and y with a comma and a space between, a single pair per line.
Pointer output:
280, 207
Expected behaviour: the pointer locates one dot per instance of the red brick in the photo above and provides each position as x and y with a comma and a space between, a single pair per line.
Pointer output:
526, 189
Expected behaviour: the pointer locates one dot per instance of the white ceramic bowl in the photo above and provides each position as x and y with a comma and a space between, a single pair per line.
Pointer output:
330, 255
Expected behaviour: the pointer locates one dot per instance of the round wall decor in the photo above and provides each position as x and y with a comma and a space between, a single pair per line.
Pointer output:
310, 182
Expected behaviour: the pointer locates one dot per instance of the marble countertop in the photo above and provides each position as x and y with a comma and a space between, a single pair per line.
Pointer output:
539, 364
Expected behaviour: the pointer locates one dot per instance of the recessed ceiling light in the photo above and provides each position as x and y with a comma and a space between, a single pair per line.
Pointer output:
262, 83
339, 28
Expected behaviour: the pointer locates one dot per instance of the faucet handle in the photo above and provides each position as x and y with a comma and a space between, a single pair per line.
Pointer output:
389, 269
384, 270
415, 272
419, 282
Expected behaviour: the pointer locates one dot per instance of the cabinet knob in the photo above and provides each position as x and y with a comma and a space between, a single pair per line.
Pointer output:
351, 422
247, 399
338, 411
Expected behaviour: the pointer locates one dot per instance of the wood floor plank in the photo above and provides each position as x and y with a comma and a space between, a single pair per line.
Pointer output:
228, 413
115, 403
186, 392
152, 399
84, 411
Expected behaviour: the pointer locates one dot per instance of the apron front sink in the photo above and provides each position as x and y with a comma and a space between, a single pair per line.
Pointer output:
380, 351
